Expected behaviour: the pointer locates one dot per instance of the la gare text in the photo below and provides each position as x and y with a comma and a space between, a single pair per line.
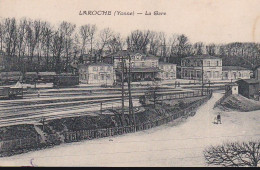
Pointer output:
120, 13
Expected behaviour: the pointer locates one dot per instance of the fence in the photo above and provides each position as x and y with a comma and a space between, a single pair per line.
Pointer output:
16, 144
73, 136
100, 133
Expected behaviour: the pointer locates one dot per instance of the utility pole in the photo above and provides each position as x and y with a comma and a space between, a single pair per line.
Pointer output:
101, 108
131, 111
122, 89
202, 78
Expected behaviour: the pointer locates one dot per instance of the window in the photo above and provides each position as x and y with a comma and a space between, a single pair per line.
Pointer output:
142, 64
208, 63
94, 68
152, 64
198, 74
108, 76
102, 77
209, 74
217, 63
239, 74
234, 75
102, 68
109, 68
216, 74
171, 67
167, 75
95, 76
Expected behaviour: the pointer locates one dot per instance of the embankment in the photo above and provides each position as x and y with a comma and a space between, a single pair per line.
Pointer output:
239, 103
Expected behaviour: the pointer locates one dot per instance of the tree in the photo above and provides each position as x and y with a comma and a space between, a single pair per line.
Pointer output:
138, 40
211, 49
67, 29
234, 154
198, 48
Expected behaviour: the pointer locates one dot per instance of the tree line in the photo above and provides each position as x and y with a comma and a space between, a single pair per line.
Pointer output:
36, 45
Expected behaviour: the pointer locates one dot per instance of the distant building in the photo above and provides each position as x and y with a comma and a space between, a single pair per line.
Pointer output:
168, 71
235, 72
193, 67
257, 73
248, 88
98, 73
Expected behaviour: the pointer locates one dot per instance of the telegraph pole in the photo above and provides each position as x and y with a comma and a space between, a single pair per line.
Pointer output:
122, 89
131, 111
202, 78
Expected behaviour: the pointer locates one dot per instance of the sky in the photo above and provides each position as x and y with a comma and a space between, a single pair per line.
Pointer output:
209, 21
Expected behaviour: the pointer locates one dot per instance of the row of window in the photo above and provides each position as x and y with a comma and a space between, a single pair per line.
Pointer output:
102, 68
236, 75
198, 74
198, 63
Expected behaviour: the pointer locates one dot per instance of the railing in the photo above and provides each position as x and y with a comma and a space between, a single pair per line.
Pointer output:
15, 144
33, 142
99, 133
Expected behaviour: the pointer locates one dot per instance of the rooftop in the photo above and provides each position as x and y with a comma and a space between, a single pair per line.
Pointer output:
151, 70
126, 53
204, 56
249, 81
227, 68
165, 63
94, 64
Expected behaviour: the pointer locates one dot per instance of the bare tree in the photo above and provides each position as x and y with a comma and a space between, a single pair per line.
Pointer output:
198, 48
234, 154
138, 40
67, 30
211, 49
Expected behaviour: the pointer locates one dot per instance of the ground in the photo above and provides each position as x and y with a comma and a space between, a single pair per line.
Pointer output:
167, 145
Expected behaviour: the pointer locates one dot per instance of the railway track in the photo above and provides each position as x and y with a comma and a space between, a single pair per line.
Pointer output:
68, 104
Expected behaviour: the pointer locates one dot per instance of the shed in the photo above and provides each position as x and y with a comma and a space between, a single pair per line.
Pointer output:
231, 88
248, 88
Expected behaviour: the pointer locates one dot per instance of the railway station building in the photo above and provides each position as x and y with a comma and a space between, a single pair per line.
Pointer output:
192, 68
144, 67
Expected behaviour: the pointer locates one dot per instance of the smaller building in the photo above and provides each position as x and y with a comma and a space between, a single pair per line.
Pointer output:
168, 71
231, 88
98, 73
248, 88
235, 73
257, 73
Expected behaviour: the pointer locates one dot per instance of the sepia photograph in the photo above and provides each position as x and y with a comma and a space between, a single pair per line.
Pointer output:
130, 83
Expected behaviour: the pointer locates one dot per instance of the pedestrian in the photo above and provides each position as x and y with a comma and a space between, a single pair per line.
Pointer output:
218, 118
39, 93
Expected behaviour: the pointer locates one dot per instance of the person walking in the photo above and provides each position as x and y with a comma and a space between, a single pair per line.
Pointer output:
219, 118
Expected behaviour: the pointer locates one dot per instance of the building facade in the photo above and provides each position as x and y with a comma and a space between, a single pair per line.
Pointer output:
98, 73
143, 67
193, 67
168, 71
235, 73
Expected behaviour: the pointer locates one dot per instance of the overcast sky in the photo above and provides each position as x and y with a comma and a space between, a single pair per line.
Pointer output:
209, 21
